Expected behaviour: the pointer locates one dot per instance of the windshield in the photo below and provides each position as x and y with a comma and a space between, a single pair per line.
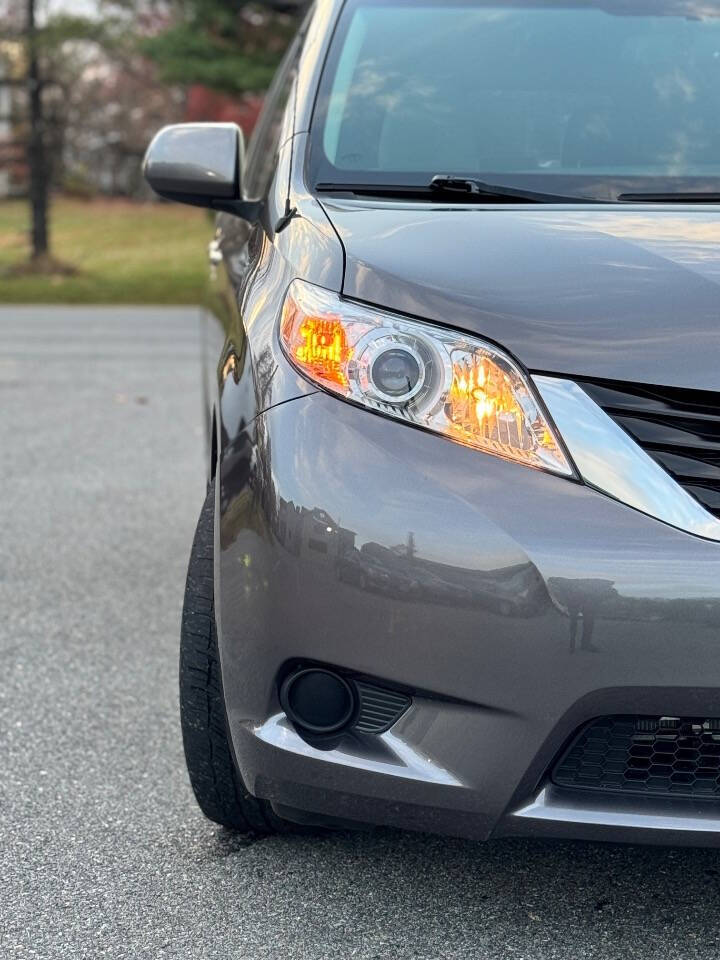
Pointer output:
591, 100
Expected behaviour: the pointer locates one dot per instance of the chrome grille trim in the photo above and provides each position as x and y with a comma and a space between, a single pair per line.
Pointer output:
609, 459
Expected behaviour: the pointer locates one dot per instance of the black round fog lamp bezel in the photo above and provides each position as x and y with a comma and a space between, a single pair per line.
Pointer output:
286, 702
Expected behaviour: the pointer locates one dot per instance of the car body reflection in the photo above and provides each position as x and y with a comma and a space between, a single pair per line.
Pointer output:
400, 571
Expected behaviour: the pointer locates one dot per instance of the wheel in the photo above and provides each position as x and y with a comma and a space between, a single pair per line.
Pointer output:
216, 783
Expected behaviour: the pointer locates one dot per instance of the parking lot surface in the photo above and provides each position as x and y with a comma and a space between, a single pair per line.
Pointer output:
103, 852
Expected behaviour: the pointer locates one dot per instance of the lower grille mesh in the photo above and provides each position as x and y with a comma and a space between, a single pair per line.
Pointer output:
654, 756
379, 708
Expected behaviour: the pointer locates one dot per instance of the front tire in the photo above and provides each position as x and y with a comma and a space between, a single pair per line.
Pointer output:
217, 785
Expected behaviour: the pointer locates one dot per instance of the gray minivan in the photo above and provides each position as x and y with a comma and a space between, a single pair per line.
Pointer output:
458, 568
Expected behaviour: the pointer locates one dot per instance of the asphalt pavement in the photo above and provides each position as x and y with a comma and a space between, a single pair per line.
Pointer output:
102, 850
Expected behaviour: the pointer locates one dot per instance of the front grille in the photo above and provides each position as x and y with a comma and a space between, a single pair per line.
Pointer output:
678, 428
654, 756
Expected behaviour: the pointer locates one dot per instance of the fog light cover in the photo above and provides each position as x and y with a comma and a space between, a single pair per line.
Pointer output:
445, 381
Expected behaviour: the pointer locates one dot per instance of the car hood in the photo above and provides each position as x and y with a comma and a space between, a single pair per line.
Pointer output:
622, 294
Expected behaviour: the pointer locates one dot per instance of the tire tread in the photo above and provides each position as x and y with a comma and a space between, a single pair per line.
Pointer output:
218, 788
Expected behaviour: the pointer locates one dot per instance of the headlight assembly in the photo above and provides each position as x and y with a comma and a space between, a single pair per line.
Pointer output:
436, 378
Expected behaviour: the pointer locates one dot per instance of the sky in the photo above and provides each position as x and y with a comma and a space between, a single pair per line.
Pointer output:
81, 7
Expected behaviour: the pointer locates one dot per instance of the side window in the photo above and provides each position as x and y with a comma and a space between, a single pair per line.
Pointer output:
265, 140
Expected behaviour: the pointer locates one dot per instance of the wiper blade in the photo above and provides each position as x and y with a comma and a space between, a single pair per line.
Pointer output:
444, 187
698, 197
444, 184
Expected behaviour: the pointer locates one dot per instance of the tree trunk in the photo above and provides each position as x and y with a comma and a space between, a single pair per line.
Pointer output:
37, 160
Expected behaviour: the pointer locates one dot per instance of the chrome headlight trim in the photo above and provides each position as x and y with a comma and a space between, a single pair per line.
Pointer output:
611, 461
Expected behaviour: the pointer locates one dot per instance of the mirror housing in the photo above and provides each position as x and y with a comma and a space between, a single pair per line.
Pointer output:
200, 164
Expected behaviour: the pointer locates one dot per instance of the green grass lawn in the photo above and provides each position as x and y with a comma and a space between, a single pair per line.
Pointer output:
123, 252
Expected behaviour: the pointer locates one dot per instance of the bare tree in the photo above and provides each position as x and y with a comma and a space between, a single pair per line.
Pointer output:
37, 159
54, 52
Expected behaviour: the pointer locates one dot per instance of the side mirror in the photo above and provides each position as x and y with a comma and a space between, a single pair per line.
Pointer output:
200, 164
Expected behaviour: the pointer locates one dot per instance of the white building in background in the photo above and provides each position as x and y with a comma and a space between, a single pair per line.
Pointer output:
12, 92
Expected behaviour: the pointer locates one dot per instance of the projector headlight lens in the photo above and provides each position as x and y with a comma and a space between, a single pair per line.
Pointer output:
397, 373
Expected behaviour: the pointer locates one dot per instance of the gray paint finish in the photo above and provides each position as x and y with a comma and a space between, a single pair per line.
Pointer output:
505, 671
521, 554
518, 605
625, 294
196, 160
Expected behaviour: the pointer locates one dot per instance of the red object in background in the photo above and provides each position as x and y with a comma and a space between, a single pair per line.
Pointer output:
204, 104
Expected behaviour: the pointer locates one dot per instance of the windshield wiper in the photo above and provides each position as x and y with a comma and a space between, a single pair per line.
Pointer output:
698, 197
444, 188
444, 184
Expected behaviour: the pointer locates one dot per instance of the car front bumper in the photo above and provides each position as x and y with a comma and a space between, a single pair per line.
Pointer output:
517, 606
